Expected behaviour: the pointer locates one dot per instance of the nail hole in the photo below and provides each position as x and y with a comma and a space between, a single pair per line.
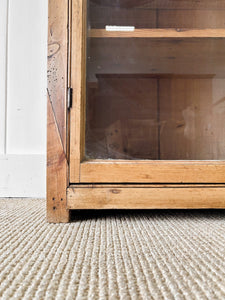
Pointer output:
54, 208
61, 199
53, 199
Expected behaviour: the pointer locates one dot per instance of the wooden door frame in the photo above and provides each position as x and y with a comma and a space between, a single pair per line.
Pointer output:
67, 169
119, 171
78, 82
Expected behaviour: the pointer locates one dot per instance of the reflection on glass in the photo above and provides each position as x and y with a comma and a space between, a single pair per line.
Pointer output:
155, 80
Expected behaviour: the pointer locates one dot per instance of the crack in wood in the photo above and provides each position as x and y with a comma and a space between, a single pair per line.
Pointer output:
56, 124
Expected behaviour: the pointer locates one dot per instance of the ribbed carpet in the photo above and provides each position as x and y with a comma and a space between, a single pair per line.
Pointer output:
123, 255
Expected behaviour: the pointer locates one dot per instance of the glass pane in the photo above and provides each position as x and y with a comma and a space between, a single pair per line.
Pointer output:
155, 80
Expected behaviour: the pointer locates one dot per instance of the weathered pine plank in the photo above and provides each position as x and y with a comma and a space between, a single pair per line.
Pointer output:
150, 197
57, 166
78, 66
159, 33
144, 171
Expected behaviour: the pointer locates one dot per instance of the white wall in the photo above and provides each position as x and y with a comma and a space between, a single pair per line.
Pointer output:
23, 69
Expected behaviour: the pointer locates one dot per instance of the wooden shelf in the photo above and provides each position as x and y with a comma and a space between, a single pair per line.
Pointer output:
159, 33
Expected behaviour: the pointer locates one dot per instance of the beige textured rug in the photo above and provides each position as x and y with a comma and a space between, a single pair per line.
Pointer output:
123, 255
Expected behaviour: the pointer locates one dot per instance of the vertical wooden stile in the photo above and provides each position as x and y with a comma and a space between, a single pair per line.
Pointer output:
57, 164
78, 75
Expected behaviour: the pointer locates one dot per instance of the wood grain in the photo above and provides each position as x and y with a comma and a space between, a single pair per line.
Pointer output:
159, 33
164, 4
122, 118
152, 171
57, 63
177, 4
157, 56
192, 119
57, 166
147, 197
100, 16
192, 18
78, 77
57, 169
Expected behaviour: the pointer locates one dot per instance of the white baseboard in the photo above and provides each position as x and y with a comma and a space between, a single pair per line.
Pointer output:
23, 175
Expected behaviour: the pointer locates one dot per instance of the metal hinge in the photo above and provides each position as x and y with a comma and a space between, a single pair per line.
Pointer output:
69, 97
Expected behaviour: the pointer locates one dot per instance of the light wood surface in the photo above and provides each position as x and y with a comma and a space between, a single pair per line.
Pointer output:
124, 123
145, 197
159, 33
57, 166
56, 173
57, 61
78, 63
152, 171
192, 119
165, 49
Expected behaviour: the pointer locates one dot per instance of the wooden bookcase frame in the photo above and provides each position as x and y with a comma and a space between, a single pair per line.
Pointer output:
73, 182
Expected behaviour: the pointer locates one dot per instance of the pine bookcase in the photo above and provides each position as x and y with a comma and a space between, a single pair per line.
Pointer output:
136, 105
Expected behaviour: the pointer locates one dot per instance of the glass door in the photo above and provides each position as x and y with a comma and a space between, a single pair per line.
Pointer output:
154, 91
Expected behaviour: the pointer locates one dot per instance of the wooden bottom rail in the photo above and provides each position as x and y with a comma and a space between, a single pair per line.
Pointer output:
145, 197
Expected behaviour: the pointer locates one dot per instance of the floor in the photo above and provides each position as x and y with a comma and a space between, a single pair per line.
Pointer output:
111, 255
